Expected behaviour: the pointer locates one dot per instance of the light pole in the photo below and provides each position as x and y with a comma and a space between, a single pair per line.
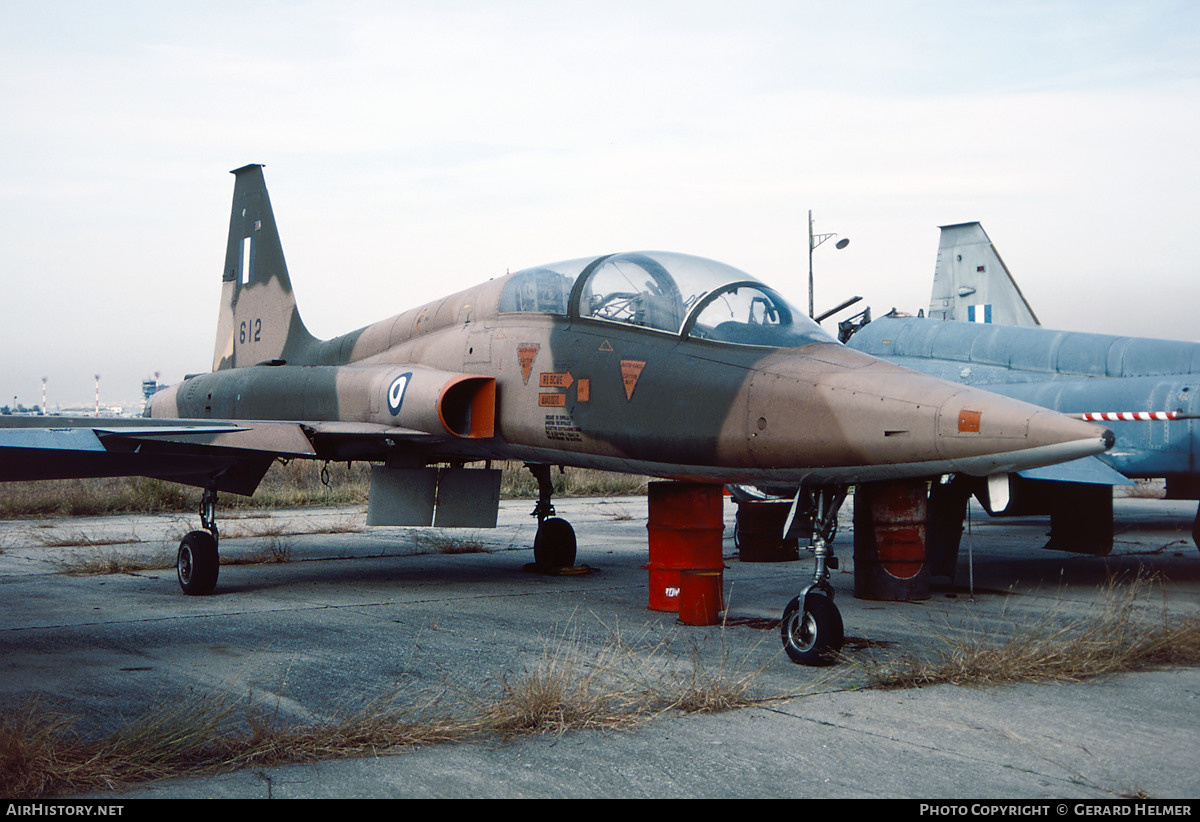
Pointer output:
815, 240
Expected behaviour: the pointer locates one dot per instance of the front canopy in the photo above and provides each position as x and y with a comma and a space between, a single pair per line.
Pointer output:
687, 296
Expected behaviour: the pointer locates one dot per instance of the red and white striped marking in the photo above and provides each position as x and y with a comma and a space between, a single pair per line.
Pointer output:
1111, 416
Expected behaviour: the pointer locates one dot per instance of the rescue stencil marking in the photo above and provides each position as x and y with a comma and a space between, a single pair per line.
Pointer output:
556, 380
526, 354
606, 346
631, 372
552, 400
396, 391
583, 390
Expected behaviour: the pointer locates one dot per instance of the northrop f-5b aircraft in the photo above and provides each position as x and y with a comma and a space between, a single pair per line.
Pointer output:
651, 363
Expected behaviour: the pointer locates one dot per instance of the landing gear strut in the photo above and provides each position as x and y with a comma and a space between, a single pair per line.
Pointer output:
197, 563
554, 545
811, 628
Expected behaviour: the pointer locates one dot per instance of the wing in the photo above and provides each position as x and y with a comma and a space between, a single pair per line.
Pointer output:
225, 455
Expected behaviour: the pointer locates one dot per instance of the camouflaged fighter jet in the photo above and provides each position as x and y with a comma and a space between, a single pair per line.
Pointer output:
652, 363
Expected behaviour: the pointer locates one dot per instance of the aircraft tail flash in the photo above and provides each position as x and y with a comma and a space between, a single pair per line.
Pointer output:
258, 322
971, 282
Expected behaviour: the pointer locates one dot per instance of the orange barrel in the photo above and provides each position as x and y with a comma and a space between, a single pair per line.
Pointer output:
700, 601
889, 540
760, 531
686, 526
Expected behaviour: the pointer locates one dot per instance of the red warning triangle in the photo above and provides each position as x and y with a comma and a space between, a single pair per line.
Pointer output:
631, 371
526, 354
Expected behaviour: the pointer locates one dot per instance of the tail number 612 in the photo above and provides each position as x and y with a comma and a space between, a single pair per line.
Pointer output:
250, 331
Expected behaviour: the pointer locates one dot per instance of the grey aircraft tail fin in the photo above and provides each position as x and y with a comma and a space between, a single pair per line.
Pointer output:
971, 282
258, 322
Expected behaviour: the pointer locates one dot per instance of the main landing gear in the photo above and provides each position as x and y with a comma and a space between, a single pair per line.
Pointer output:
811, 629
197, 563
554, 545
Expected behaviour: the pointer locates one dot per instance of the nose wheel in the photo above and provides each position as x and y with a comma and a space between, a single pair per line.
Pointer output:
811, 628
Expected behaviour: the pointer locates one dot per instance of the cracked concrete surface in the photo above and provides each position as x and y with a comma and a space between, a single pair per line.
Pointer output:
356, 613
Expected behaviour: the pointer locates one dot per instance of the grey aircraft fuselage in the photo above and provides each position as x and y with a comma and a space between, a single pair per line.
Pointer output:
1070, 372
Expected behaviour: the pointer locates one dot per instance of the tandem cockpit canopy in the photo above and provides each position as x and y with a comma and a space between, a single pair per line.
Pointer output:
686, 296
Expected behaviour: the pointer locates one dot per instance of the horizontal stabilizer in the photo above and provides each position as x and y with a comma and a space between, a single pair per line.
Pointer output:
367, 429
1087, 470
50, 439
279, 439
222, 455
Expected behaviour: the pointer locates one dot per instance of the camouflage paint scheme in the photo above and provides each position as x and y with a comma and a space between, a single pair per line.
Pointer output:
470, 377
646, 362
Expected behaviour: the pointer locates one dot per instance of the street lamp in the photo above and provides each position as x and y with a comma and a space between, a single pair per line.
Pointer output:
815, 240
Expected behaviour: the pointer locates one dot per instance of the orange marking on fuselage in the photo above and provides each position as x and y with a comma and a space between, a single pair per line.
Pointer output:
631, 372
527, 353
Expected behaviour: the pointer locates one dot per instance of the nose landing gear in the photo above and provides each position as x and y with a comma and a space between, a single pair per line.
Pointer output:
811, 629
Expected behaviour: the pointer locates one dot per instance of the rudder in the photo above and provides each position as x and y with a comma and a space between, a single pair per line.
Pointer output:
972, 284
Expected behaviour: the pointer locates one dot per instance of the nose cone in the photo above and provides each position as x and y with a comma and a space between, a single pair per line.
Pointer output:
856, 419
980, 433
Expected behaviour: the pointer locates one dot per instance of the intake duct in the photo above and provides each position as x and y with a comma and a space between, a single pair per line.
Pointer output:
423, 399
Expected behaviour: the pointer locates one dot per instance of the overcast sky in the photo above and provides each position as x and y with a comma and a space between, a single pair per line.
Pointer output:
413, 149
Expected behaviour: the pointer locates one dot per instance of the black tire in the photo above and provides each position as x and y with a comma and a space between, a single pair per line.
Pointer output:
197, 563
554, 546
812, 633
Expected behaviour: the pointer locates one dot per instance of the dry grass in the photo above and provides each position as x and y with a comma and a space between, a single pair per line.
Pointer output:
570, 687
435, 542
274, 550
518, 483
726, 688
77, 539
104, 561
42, 754
1121, 636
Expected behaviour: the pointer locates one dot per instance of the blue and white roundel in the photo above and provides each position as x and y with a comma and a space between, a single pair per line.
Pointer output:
396, 391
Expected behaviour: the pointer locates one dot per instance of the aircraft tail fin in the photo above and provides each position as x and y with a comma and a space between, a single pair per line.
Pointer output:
971, 282
258, 322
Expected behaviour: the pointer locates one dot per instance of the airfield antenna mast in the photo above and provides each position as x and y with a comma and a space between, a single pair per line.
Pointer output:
97, 395
815, 240
44, 409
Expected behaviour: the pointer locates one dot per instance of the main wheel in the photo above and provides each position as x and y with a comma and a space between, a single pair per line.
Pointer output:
197, 563
554, 546
812, 630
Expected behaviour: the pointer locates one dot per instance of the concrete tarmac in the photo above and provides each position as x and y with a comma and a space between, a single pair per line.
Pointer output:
357, 614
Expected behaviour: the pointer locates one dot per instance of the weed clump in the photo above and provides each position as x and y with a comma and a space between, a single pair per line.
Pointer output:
1121, 636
